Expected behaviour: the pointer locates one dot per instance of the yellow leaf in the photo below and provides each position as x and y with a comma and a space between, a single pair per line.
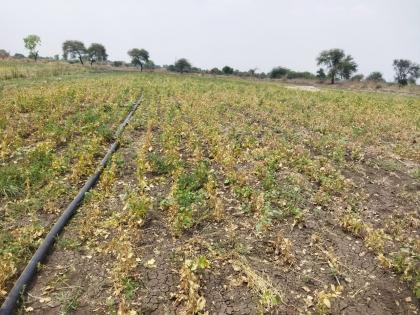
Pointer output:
201, 303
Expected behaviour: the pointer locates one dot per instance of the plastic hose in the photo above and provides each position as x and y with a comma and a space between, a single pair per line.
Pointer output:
42, 251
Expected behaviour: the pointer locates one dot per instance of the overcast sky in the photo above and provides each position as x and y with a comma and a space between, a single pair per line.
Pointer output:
212, 33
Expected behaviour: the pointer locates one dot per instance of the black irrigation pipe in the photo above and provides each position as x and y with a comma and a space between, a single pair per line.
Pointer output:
42, 251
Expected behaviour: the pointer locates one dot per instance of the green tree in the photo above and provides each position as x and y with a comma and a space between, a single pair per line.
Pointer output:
74, 49
406, 71
375, 76
227, 70
279, 72
31, 43
96, 52
215, 71
348, 66
138, 57
337, 63
320, 74
182, 65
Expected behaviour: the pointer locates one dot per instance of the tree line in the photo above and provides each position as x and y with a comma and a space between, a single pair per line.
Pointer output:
338, 65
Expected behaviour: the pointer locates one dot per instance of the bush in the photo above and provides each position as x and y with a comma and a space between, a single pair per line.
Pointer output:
18, 56
281, 72
118, 63
357, 77
300, 75
375, 77
171, 68
3, 54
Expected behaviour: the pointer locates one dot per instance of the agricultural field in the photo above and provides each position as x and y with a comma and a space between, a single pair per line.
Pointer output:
18, 69
227, 196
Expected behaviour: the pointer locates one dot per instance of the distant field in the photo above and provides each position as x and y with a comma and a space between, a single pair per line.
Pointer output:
16, 69
227, 196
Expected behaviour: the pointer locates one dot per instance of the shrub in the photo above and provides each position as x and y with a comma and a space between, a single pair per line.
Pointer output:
375, 77
118, 63
357, 77
300, 75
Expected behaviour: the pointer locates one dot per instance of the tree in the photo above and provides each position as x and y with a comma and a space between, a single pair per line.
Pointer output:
279, 72
171, 68
406, 71
74, 48
227, 70
320, 74
252, 72
338, 64
375, 77
96, 52
138, 57
4, 54
31, 43
182, 65
215, 71
348, 66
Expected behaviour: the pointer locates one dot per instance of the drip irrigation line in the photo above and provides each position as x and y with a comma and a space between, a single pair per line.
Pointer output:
31, 268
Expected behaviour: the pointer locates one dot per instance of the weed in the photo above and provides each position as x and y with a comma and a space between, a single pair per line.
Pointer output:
186, 193
416, 173
70, 302
12, 181
130, 286
68, 244
194, 181
406, 263
160, 164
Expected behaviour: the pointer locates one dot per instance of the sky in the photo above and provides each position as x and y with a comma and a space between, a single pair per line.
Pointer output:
244, 34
